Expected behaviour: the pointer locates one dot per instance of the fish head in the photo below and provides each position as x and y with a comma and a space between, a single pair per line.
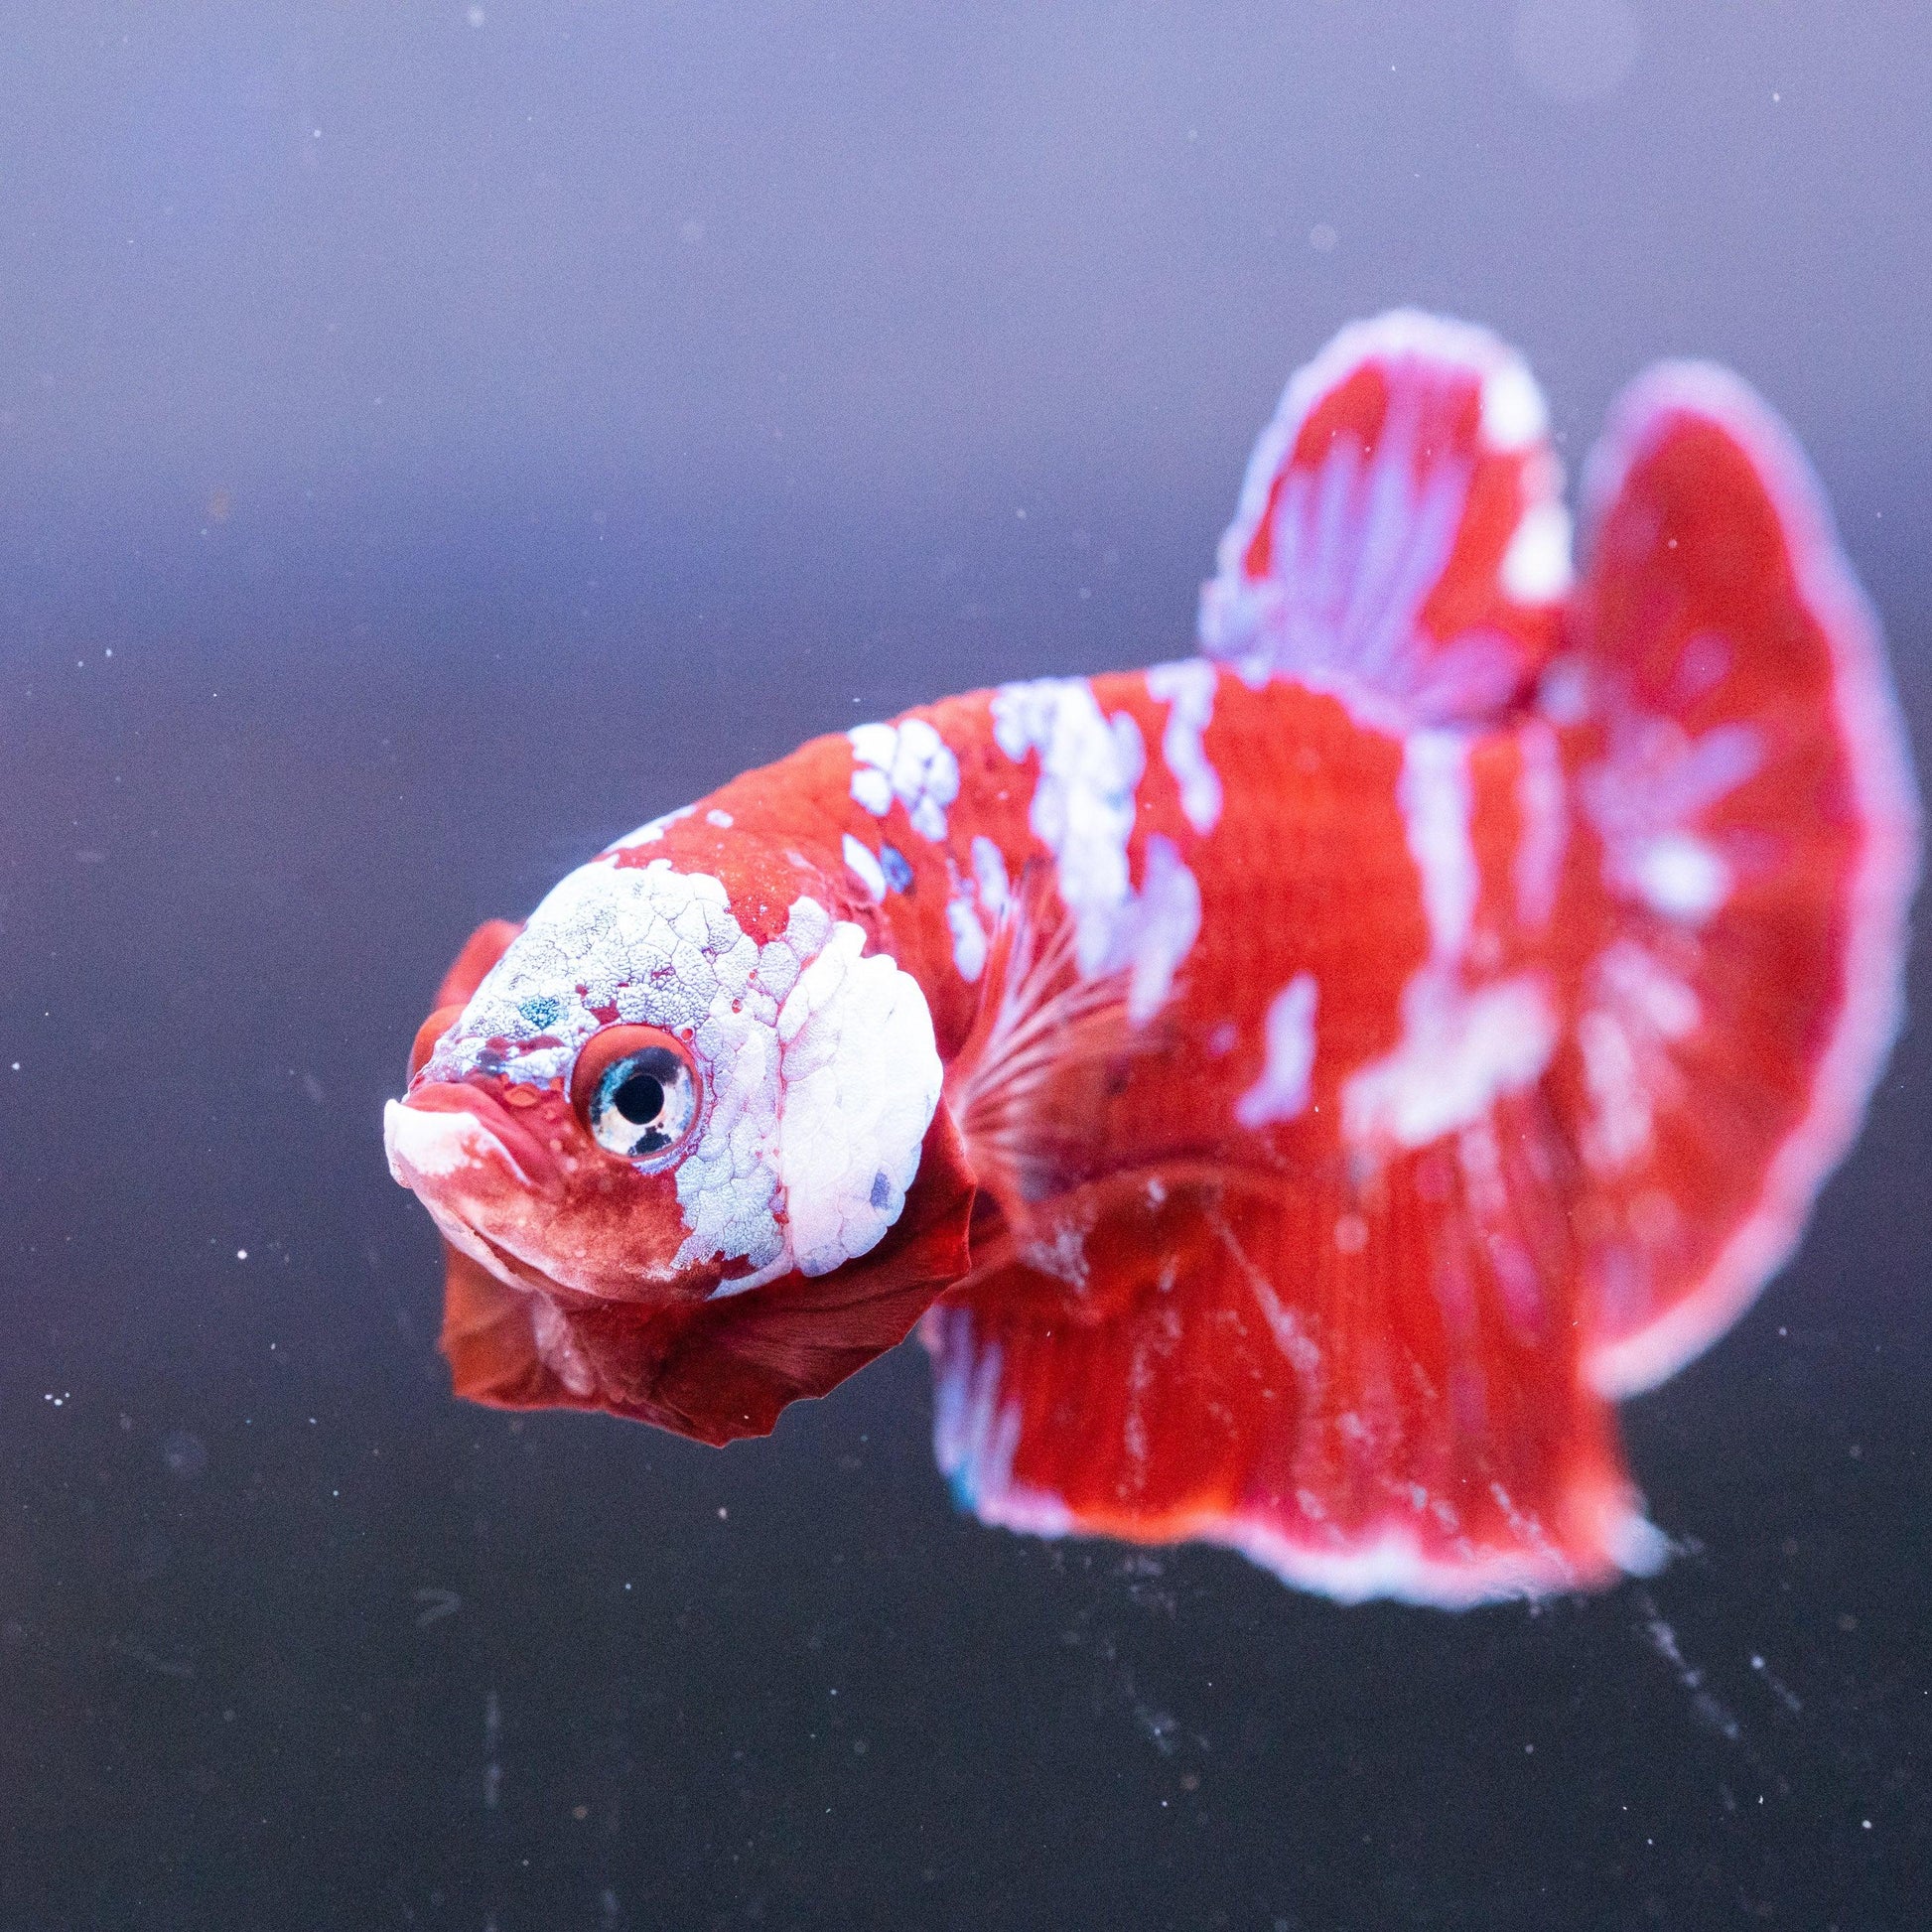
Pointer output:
668, 1117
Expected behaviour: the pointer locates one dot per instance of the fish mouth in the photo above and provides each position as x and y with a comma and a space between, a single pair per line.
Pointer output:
505, 1264
446, 1135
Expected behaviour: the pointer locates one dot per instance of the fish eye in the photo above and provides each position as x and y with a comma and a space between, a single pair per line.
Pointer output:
636, 1091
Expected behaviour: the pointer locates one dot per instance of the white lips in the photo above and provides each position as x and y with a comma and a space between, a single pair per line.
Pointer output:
432, 1146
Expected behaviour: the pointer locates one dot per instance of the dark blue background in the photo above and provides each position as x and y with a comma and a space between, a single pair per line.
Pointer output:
473, 431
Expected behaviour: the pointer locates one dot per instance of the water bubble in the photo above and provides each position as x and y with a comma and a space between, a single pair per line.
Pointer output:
185, 1454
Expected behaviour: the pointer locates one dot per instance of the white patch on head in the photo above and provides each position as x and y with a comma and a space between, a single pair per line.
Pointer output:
908, 762
1282, 1091
1536, 566
862, 863
1514, 414
657, 945
722, 820
1083, 813
1459, 1051
650, 945
861, 1081
434, 1146
1187, 689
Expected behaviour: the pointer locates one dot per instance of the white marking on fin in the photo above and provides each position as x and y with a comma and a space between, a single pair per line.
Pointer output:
1514, 414
1680, 876
1459, 1051
1541, 808
1643, 798
1282, 1091
1433, 793
1360, 538
1536, 567
975, 1434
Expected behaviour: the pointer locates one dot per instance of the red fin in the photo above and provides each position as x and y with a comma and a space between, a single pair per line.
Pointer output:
1740, 757
1371, 1394
491, 1343
1401, 533
724, 1368
480, 951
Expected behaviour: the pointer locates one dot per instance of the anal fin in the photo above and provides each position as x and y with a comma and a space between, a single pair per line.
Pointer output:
1371, 1392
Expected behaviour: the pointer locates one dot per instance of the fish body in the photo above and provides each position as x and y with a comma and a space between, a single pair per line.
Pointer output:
1296, 1087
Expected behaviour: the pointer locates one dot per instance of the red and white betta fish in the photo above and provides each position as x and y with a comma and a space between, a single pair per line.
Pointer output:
1300, 1087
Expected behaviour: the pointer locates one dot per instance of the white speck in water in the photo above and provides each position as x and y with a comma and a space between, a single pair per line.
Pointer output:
1322, 238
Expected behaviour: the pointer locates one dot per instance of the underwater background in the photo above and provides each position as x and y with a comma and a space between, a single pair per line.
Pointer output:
435, 440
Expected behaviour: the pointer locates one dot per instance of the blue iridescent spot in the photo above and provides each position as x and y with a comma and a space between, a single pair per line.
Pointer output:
541, 1011
893, 862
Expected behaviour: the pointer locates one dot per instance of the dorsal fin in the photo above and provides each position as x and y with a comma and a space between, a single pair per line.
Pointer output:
1401, 535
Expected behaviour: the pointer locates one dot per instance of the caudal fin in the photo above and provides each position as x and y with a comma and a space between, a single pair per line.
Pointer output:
1741, 764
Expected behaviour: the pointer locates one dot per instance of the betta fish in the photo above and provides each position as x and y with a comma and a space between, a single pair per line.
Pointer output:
1297, 1089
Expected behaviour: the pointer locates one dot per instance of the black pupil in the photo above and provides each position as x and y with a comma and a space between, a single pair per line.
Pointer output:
640, 1099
